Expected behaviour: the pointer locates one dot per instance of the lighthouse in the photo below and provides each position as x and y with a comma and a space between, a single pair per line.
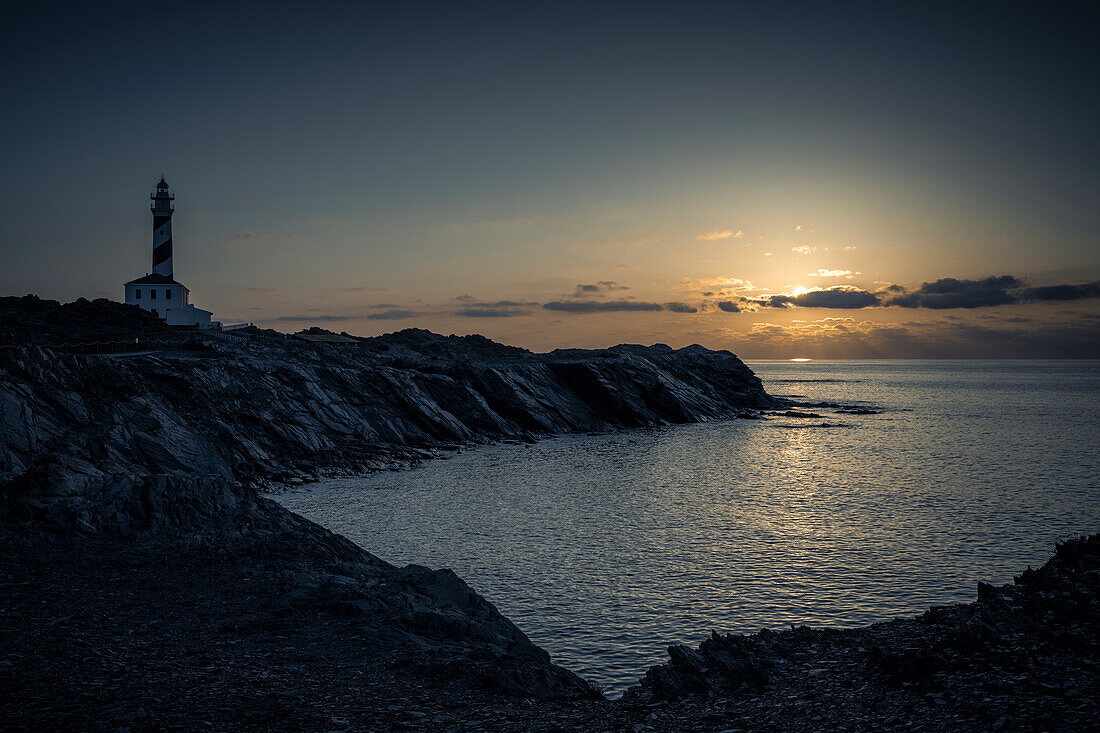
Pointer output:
162, 209
158, 291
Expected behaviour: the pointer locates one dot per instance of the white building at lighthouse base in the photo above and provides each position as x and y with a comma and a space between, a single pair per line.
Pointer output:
168, 299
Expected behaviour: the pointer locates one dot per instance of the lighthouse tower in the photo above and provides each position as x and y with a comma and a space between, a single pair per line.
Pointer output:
158, 291
162, 209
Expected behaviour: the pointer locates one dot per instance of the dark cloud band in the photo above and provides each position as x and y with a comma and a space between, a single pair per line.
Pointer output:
950, 292
491, 312
842, 297
394, 314
944, 294
600, 306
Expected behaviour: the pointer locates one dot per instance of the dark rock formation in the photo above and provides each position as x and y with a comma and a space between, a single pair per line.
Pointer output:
294, 630
1024, 656
33, 320
175, 445
124, 442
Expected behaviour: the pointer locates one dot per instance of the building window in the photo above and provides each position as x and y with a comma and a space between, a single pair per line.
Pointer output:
138, 295
153, 294
167, 294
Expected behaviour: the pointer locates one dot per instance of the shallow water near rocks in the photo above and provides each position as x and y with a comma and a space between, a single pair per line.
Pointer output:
606, 549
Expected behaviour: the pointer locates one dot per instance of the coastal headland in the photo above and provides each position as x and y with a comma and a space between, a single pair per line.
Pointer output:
149, 585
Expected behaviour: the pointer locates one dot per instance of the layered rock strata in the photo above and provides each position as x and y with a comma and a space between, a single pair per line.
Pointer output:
177, 441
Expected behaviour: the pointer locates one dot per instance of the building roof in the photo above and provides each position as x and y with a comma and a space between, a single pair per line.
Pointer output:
154, 279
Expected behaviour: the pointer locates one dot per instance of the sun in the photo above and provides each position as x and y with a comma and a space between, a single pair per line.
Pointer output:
801, 358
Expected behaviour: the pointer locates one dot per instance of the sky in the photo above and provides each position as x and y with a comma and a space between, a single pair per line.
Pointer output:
778, 179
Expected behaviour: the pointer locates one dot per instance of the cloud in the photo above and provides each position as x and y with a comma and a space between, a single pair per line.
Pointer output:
722, 234
393, 314
833, 273
491, 312
837, 296
600, 288
847, 338
1052, 293
729, 306
850, 249
717, 283
890, 288
600, 306
950, 292
804, 249
943, 294
681, 308
471, 301
364, 289
473, 308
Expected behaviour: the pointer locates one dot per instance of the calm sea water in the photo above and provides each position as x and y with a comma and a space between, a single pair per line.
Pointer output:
606, 549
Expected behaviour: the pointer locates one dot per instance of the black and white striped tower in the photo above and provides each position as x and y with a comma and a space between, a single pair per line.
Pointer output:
162, 209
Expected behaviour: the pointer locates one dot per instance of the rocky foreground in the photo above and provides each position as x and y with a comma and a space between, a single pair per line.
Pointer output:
145, 584
98, 634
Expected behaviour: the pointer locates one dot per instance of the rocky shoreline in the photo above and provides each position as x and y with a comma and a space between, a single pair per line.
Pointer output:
240, 413
148, 584
268, 633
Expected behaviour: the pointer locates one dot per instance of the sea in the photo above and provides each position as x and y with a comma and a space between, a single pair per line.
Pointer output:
606, 549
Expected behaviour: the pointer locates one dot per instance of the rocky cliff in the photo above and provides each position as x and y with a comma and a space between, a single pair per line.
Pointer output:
112, 441
177, 437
